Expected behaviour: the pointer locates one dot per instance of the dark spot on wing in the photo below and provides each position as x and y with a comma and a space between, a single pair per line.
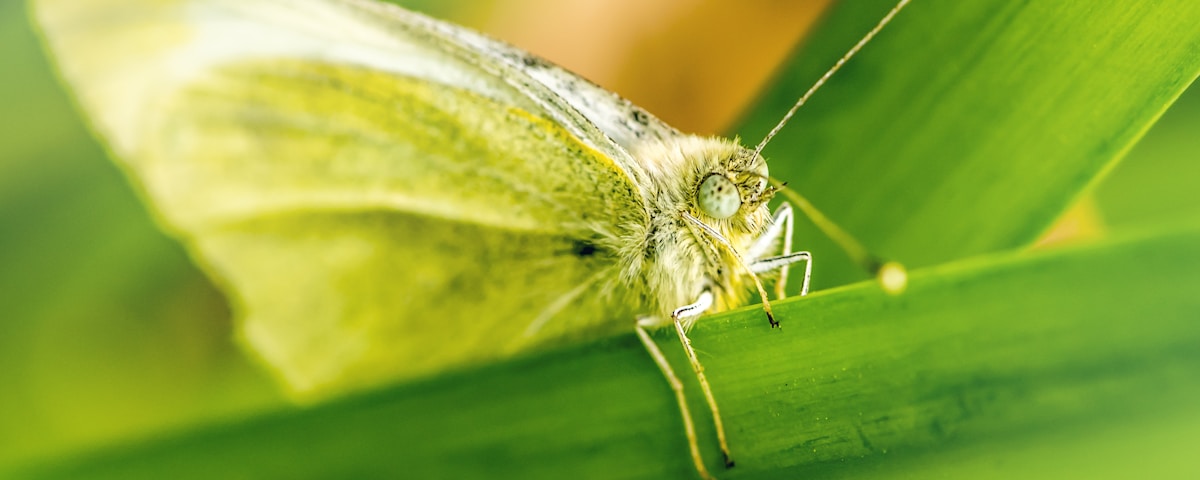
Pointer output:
584, 248
640, 117
532, 61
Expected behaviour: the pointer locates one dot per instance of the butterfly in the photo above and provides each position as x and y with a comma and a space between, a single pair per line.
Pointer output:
384, 195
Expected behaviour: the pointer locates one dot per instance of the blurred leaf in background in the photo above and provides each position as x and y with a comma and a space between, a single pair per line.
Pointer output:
1156, 183
107, 330
973, 127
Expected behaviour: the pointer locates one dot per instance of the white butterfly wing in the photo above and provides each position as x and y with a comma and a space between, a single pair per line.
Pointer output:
619, 119
384, 195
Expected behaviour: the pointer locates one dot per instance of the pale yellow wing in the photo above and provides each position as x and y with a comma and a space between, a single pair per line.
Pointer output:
378, 203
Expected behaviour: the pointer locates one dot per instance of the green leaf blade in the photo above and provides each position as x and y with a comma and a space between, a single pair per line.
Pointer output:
1008, 350
968, 127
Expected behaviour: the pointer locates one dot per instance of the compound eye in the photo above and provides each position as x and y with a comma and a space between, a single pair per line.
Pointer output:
718, 197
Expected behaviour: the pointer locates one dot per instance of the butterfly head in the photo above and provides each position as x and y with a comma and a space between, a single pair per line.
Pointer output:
736, 185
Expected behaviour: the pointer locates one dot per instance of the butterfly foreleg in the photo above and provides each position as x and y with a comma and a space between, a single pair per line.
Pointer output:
782, 223
782, 262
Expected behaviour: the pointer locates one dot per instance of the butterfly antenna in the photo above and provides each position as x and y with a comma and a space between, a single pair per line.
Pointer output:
891, 275
821, 81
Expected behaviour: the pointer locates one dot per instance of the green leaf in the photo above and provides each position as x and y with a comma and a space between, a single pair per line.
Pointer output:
968, 127
1157, 182
978, 357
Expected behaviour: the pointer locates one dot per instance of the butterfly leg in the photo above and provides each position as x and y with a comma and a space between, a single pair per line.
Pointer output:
781, 226
688, 426
782, 262
678, 317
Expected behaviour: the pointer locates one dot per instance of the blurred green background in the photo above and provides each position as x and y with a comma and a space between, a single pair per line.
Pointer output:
108, 333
